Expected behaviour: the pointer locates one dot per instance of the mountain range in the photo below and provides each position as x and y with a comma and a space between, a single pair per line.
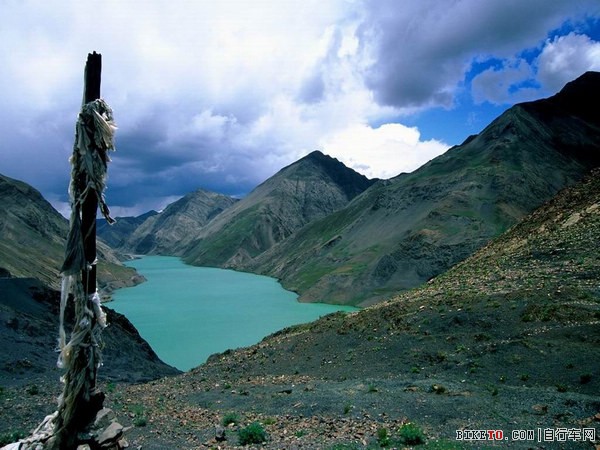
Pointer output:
404, 231
332, 235
171, 231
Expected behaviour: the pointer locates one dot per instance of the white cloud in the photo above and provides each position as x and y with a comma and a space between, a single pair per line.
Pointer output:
566, 58
561, 60
499, 86
390, 149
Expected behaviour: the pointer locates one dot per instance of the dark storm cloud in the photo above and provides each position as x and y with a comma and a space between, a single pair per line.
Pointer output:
422, 50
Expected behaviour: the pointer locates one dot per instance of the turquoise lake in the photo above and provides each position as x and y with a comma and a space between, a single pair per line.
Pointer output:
187, 313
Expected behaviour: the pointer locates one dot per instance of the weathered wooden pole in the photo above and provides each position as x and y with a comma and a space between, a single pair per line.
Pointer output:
89, 209
81, 400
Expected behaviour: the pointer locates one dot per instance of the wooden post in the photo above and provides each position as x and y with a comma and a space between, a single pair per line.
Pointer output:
81, 400
93, 71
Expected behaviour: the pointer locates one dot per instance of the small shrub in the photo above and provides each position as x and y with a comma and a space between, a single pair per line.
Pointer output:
415, 369
32, 390
252, 434
372, 388
561, 388
347, 408
344, 447
140, 421
383, 437
270, 421
230, 418
139, 417
137, 410
524, 377
411, 434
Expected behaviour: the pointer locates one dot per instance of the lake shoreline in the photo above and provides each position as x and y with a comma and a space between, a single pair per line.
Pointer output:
209, 310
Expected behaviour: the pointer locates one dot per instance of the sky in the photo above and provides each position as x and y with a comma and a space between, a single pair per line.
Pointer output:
220, 95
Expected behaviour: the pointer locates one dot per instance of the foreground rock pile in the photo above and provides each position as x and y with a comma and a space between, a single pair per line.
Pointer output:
105, 433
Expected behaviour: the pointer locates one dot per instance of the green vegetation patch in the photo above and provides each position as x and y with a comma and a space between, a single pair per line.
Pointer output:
231, 418
411, 434
252, 434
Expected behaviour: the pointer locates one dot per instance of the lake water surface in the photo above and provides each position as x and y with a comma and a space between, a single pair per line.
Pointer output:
187, 313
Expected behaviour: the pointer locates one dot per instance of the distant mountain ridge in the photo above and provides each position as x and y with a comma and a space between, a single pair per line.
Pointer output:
171, 231
403, 231
311, 188
116, 234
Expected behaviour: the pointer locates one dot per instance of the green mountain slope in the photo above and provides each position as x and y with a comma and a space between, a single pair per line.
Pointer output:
403, 231
33, 236
308, 189
171, 231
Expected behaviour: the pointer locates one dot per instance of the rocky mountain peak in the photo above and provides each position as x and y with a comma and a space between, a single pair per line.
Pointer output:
579, 98
172, 230
306, 190
317, 164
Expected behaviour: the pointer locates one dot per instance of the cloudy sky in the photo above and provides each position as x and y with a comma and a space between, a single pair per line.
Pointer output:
223, 94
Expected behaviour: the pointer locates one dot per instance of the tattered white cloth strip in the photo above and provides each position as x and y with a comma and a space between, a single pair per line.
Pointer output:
94, 138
